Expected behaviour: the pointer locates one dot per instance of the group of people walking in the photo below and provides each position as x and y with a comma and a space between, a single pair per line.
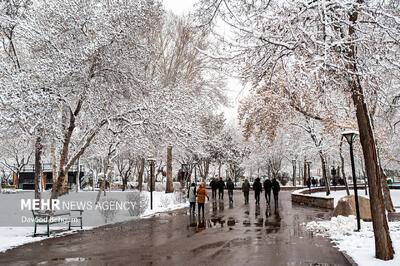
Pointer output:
201, 193
258, 187
220, 186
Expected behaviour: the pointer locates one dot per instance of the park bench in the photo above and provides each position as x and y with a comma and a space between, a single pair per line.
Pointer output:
47, 218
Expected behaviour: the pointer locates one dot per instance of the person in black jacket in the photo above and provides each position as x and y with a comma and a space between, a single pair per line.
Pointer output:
257, 187
214, 186
275, 189
246, 189
267, 189
221, 186
230, 186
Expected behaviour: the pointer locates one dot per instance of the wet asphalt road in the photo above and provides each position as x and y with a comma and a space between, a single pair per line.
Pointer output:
235, 234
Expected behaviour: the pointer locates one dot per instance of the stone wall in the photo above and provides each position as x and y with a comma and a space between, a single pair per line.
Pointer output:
309, 200
303, 197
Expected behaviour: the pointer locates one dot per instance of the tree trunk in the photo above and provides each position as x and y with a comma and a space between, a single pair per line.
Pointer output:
77, 176
94, 179
140, 176
53, 165
386, 193
305, 174
124, 182
170, 186
38, 165
294, 174
206, 165
324, 176
300, 173
342, 169
383, 243
16, 180
103, 184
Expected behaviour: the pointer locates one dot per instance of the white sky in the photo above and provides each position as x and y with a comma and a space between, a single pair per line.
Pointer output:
181, 7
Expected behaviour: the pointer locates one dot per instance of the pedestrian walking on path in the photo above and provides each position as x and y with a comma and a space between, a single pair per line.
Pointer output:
314, 182
230, 186
214, 186
257, 187
201, 197
192, 198
267, 189
221, 186
245, 190
275, 189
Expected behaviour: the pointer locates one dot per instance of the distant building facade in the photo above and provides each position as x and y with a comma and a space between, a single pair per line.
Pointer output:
27, 176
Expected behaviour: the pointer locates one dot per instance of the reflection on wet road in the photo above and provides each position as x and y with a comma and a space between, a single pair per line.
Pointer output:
230, 234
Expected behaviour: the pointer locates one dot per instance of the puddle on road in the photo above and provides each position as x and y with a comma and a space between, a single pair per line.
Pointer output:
72, 260
231, 221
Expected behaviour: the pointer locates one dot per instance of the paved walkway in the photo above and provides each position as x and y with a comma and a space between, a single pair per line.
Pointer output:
235, 234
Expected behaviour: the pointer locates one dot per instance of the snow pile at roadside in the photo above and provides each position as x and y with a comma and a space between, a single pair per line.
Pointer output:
359, 245
11, 237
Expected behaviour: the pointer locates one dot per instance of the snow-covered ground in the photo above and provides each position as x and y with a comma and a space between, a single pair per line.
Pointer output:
16, 228
359, 245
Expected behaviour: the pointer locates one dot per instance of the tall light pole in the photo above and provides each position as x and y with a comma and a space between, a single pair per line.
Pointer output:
350, 135
151, 162
294, 172
308, 175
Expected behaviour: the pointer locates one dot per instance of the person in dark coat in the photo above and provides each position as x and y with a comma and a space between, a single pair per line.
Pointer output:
313, 182
230, 186
257, 187
309, 182
214, 186
246, 190
275, 189
221, 186
267, 189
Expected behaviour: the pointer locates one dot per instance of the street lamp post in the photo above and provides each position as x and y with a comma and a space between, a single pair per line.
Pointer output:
309, 176
350, 135
294, 172
151, 162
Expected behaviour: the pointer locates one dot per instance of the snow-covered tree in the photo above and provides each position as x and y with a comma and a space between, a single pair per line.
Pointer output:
337, 47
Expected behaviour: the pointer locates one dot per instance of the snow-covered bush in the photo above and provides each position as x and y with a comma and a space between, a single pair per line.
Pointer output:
165, 201
138, 203
106, 211
177, 185
179, 197
160, 186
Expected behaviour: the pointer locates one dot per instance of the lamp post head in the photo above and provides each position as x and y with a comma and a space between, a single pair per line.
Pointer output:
349, 135
151, 160
308, 163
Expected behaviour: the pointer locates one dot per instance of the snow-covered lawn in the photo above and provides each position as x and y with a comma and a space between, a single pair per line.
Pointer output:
15, 229
359, 245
